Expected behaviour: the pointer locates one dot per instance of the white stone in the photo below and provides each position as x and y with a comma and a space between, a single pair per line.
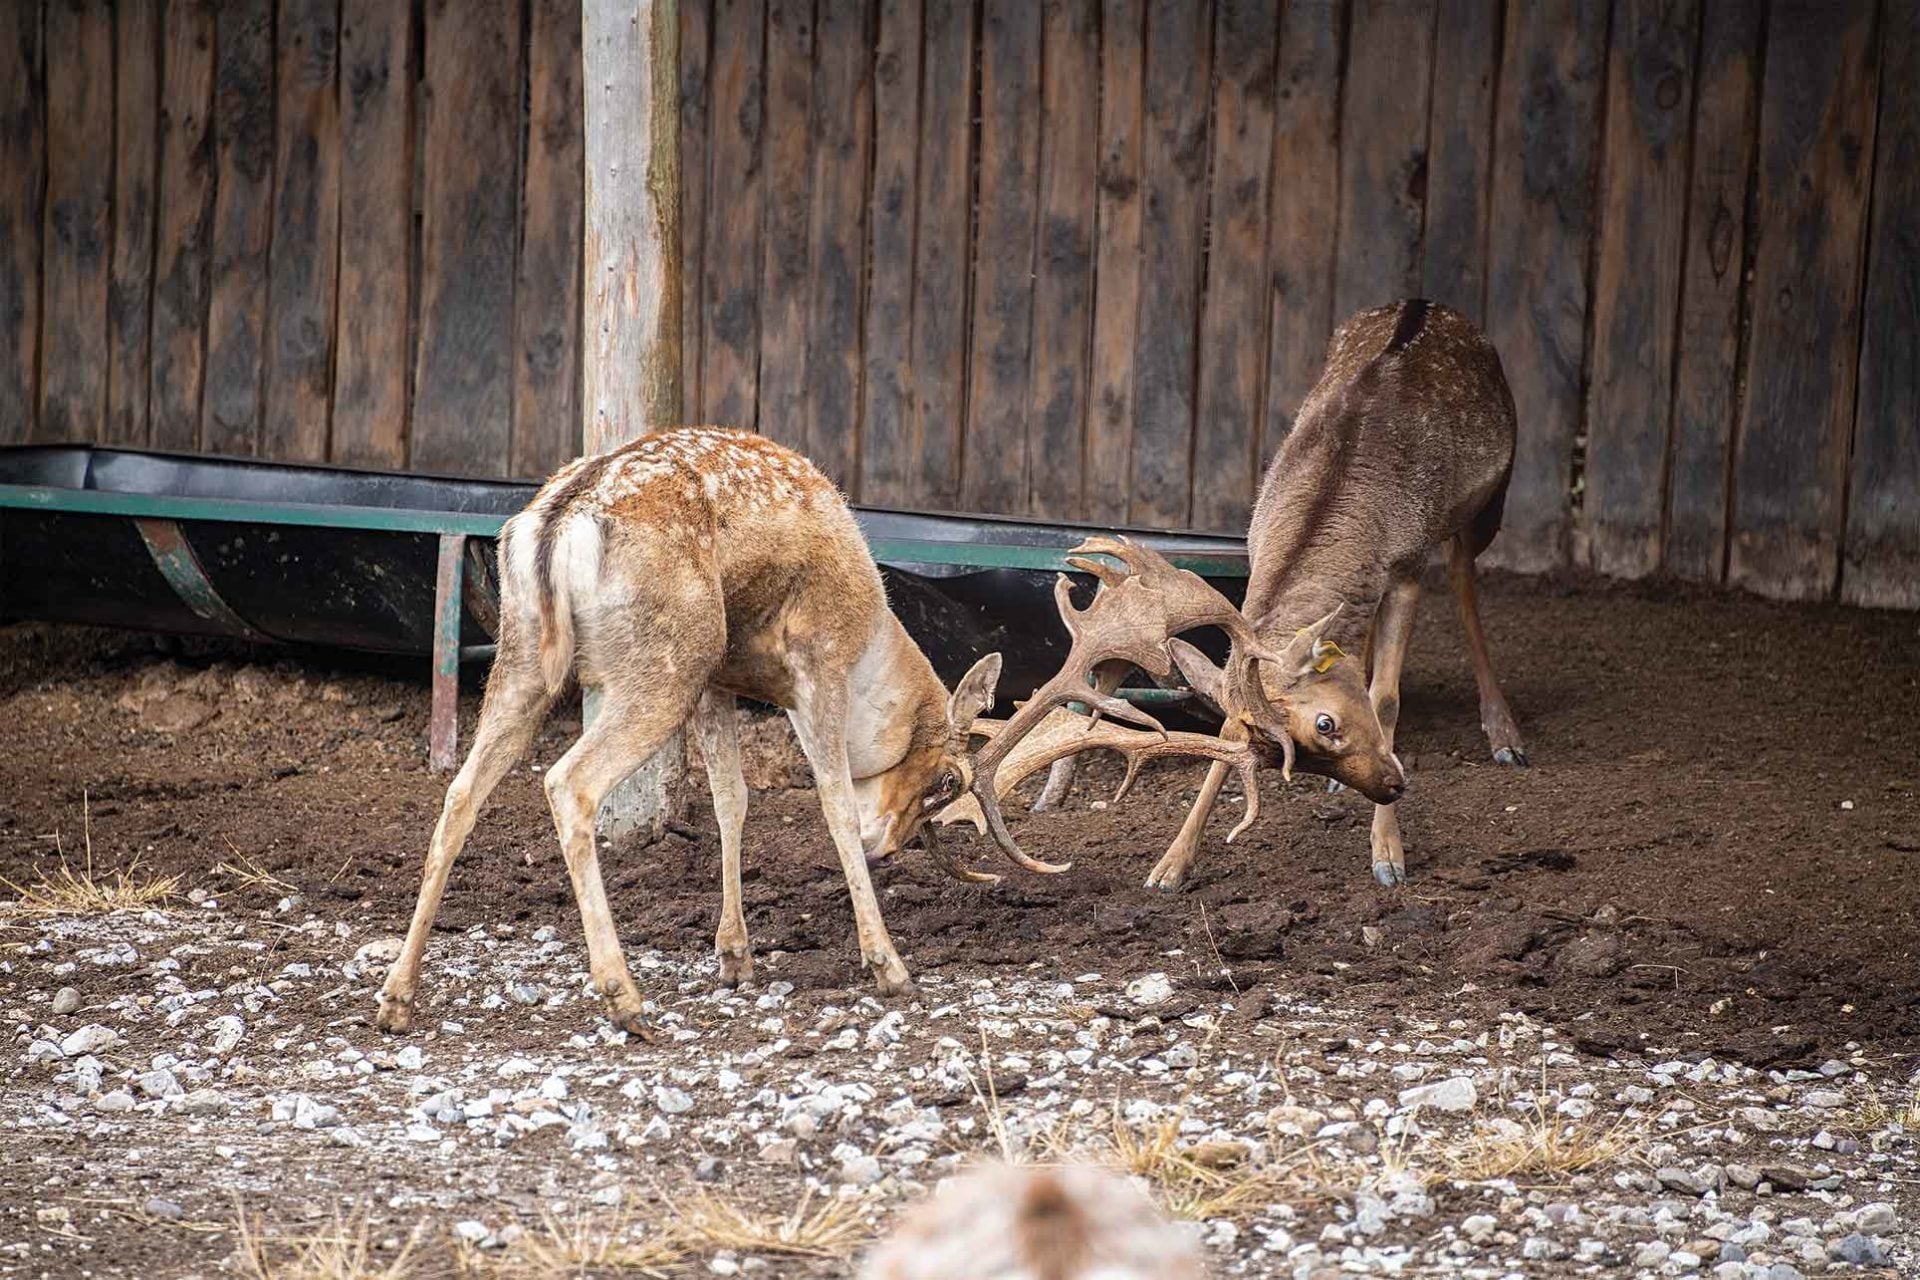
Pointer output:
1151, 989
1455, 1094
92, 1038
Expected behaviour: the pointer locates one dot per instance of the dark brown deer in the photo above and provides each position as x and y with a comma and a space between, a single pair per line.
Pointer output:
1404, 445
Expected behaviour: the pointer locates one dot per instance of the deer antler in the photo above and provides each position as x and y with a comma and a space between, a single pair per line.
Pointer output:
1135, 614
1063, 733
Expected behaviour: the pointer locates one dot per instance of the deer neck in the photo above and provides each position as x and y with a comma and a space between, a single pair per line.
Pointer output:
1303, 597
895, 702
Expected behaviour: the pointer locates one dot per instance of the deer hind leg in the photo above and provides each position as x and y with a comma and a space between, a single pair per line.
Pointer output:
820, 722
1106, 678
515, 705
625, 734
1496, 718
1392, 629
720, 744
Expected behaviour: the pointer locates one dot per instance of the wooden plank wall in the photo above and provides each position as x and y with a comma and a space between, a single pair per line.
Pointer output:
1073, 259
310, 230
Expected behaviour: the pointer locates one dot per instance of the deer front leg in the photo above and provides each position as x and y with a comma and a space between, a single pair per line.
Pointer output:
820, 722
1392, 630
720, 745
1106, 678
1171, 871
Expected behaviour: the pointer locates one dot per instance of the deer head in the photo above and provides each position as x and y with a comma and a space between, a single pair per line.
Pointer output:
1326, 725
934, 767
1303, 705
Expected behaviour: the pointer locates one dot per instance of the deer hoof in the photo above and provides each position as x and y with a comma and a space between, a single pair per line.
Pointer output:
1511, 755
1167, 876
893, 981
1388, 874
395, 1015
735, 971
634, 1023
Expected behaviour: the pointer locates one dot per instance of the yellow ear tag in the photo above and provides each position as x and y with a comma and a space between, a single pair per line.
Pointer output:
1331, 654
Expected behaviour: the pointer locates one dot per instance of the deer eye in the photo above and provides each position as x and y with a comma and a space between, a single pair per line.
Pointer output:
1323, 725
944, 788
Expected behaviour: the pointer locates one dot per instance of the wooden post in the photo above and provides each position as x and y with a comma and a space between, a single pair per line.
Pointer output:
631, 297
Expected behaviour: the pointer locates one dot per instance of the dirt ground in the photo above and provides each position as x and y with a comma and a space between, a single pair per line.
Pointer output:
1724, 805
1714, 854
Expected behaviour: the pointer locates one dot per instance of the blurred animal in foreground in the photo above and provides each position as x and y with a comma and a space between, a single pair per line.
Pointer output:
1063, 1222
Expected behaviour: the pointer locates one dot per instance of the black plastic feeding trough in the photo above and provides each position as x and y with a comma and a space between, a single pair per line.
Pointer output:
403, 563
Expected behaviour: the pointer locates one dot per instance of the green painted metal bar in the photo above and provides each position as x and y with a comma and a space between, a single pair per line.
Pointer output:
177, 563
315, 515
443, 726
898, 551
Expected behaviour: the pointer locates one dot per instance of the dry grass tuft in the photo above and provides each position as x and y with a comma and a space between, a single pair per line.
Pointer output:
1193, 1180
1542, 1146
71, 892
79, 892
249, 874
833, 1229
343, 1251
584, 1246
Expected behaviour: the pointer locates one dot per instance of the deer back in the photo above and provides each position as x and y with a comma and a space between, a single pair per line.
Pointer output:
1407, 435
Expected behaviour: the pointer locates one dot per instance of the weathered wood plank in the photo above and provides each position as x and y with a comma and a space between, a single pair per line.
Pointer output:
1882, 564
306, 231
1383, 153
730, 313
242, 224
1063, 259
546, 298
1306, 198
1816, 146
784, 287
1545, 148
136, 137
696, 17
463, 381
1460, 155
631, 361
842, 137
889, 461
376, 234
1175, 168
1233, 333
996, 464
77, 248
1108, 480
1712, 287
1637, 277
942, 252
23, 144
180, 284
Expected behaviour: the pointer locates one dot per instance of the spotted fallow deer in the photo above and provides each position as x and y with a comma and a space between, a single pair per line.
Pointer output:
1403, 445
675, 574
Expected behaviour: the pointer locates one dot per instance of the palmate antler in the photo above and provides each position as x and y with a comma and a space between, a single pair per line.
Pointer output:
1064, 733
1133, 618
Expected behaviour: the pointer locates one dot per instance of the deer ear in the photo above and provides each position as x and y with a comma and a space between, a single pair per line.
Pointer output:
1209, 681
974, 693
1307, 653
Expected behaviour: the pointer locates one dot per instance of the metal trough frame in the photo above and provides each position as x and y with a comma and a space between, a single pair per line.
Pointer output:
157, 517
